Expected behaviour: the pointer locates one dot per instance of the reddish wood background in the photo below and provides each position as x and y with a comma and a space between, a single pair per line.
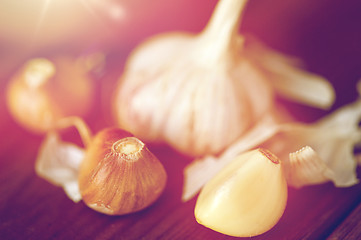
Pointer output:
325, 34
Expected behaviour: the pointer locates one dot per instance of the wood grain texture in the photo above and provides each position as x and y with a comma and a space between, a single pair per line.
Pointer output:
31, 208
350, 228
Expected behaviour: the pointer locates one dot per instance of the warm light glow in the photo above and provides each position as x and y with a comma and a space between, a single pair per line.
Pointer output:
42, 22
109, 8
44, 8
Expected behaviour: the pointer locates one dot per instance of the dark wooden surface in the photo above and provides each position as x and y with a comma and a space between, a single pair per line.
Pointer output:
325, 35
31, 208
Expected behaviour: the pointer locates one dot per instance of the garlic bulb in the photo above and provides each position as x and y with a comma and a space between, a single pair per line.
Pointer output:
44, 91
119, 175
246, 198
331, 140
199, 93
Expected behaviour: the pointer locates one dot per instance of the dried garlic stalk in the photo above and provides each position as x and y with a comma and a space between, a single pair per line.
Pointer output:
330, 140
200, 93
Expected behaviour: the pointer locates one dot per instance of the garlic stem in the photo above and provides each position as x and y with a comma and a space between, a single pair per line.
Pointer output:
223, 26
128, 148
79, 124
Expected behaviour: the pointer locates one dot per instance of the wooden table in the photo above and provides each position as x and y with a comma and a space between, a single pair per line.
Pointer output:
31, 208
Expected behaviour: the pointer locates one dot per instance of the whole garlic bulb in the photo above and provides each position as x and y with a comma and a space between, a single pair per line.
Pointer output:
200, 93
246, 198
44, 90
119, 175
193, 91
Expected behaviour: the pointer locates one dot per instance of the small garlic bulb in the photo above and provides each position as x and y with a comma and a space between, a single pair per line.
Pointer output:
43, 91
193, 91
119, 175
246, 198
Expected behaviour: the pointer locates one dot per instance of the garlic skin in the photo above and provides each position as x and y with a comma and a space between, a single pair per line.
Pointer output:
58, 162
305, 167
287, 77
46, 90
119, 175
199, 93
246, 198
333, 139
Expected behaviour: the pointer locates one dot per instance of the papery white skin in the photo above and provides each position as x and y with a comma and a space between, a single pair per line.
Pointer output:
58, 162
286, 75
199, 93
305, 167
333, 139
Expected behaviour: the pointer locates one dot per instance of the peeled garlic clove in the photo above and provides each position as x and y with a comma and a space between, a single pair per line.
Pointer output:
305, 167
246, 198
36, 93
119, 175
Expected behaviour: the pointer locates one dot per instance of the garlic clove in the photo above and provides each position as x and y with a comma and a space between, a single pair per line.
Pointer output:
58, 162
116, 174
35, 94
119, 175
305, 167
29, 106
246, 198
